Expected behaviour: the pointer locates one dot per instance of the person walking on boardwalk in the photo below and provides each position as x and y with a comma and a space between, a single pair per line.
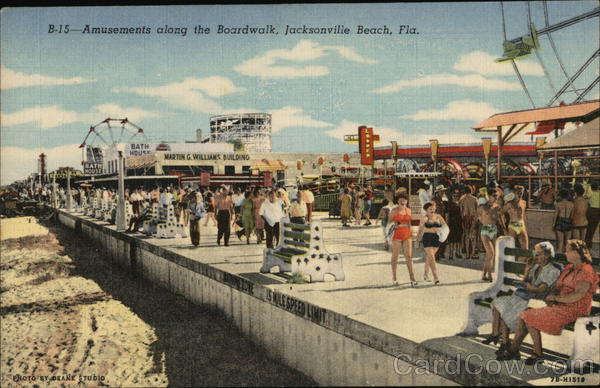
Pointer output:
563, 224
359, 207
346, 207
430, 224
259, 223
272, 213
297, 210
309, 199
210, 207
401, 217
488, 218
580, 208
593, 215
247, 217
456, 226
224, 208
468, 210
197, 212
368, 204
441, 208
514, 206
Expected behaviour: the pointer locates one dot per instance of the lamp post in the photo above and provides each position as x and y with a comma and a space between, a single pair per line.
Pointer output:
69, 205
434, 145
395, 158
539, 142
120, 217
486, 142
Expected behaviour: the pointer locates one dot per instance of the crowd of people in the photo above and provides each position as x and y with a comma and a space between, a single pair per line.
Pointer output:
252, 211
462, 220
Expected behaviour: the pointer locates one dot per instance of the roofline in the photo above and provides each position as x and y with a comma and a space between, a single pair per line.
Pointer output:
481, 129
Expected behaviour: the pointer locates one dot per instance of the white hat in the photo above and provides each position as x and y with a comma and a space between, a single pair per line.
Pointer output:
440, 188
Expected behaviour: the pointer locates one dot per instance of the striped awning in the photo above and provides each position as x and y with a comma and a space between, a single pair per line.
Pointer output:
268, 165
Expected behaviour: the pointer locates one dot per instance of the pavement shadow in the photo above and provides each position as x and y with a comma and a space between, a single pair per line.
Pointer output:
367, 287
448, 284
260, 278
458, 351
201, 346
388, 262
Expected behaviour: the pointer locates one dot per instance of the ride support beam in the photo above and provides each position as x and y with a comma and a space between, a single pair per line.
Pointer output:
565, 23
573, 78
515, 134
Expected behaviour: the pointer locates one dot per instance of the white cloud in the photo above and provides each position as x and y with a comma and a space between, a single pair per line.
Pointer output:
470, 81
290, 116
17, 163
53, 116
13, 79
191, 93
45, 116
483, 63
456, 110
100, 112
265, 65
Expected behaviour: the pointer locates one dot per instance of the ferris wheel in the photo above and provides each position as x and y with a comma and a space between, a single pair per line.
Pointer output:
524, 46
106, 135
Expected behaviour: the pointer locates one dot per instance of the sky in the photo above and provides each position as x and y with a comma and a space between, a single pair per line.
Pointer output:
437, 82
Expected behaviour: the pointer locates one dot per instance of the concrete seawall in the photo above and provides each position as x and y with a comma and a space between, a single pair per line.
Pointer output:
331, 348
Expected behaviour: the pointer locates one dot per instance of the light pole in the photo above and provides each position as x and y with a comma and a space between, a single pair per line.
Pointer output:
539, 142
434, 145
395, 159
69, 205
120, 217
487, 147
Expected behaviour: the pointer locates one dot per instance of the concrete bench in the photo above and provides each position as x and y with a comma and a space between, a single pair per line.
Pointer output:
168, 227
149, 226
508, 278
89, 206
301, 249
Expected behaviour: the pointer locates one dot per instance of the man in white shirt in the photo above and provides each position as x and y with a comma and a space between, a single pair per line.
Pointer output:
309, 198
425, 195
271, 211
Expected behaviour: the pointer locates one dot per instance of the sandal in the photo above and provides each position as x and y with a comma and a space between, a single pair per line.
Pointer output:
491, 338
534, 359
507, 355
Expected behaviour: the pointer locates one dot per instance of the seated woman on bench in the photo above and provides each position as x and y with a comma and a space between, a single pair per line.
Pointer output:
538, 279
571, 299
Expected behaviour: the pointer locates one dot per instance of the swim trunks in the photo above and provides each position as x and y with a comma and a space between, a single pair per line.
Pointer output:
490, 231
563, 224
517, 226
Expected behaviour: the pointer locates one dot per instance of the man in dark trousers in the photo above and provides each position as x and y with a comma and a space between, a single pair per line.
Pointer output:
272, 213
197, 211
441, 208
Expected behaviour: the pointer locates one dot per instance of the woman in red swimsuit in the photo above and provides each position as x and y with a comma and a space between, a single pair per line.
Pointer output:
401, 217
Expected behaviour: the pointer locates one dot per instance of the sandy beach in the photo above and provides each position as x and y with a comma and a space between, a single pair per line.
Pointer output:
70, 318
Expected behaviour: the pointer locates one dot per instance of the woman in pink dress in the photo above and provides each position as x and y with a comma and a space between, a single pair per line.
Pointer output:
571, 299
259, 224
